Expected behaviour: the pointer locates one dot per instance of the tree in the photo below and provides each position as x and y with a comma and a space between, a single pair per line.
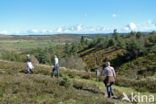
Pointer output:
111, 42
74, 48
115, 34
139, 35
99, 42
118, 39
82, 40
153, 32
132, 33
67, 49
135, 49
44, 57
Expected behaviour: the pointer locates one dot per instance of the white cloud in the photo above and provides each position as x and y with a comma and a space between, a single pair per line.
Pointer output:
125, 29
82, 29
131, 26
151, 22
17, 32
114, 15
79, 27
59, 29
145, 26
46, 31
4, 32
34, 31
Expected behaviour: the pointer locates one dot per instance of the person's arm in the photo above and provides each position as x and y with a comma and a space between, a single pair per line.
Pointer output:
114, 74
104, 72
55, 63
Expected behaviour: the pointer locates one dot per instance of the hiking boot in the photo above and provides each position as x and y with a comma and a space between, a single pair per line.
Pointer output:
114, 97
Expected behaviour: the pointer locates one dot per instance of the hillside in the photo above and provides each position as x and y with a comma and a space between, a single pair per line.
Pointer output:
73, 87
139, 68
117, 49
17, 87
95, 58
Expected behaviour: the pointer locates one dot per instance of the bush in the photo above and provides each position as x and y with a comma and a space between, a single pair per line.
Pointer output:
66, 82
73, 62
13, 57
139, 85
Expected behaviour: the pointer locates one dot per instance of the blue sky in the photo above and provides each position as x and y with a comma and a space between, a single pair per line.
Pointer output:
76, 16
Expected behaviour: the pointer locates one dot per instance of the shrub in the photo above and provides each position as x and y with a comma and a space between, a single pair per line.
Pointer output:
73, 62
139, 85
12, 57
66, 82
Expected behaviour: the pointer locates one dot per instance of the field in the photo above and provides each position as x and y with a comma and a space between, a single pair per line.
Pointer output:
26, 43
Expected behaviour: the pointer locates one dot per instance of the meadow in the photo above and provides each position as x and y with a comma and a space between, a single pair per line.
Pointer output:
25, 43
73, 87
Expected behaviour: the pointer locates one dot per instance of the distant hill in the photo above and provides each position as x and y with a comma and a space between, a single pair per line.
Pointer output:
18, 43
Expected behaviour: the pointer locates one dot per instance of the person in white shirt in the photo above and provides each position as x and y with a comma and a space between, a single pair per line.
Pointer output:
56, 66
29, 67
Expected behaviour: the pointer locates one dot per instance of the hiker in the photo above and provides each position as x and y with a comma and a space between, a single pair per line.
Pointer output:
56, 66
29, 67
110, 78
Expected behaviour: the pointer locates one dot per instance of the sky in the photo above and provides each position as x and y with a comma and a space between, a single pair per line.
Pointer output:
76, 16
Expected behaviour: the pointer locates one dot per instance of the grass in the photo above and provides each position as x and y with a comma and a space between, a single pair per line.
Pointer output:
19, 88
23, 43
118, 89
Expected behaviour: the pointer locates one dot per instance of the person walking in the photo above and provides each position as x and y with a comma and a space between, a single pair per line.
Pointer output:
56, 66
29, 66
110, 74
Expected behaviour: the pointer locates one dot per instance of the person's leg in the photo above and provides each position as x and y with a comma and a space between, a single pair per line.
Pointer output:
28, 69
57, 70
53, 72
108, 91
111, 90
31, 71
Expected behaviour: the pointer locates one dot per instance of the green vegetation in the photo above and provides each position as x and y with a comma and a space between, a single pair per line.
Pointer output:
132, 55
72, 86
17, 87
26, 43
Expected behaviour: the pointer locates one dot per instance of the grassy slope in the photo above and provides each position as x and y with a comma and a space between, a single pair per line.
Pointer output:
95, 58
17, 87
141, 67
